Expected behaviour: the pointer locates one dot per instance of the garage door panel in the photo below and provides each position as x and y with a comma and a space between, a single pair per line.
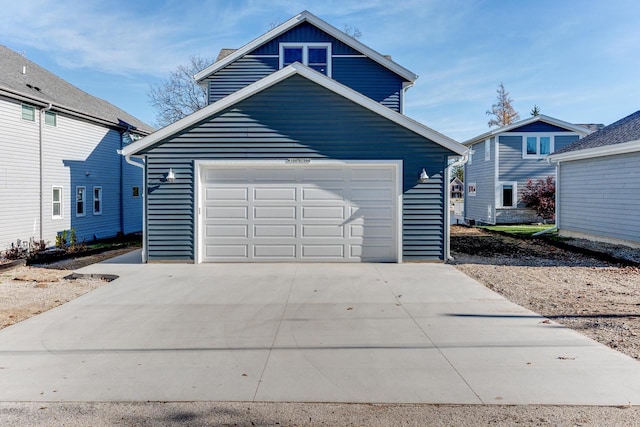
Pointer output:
227, 251
226, 212
319, 175
372, 212
372, 174
323, 212
274, 251
227, 231
217, 194
275, 174
274, 212
323, 230
322, 194
370, 252
322, 251
226, 174
281, 231
371, 194
275, 194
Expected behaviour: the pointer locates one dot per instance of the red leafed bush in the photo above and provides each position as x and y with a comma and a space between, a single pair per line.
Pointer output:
540, 196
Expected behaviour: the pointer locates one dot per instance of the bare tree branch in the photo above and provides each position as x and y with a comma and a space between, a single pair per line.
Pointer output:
179, 95
502, 111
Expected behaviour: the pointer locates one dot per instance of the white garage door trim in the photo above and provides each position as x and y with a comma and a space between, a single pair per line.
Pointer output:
200, 166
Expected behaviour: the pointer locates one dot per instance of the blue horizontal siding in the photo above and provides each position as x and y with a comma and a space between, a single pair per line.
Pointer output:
304, 33
239, 74
540, 127
296, 118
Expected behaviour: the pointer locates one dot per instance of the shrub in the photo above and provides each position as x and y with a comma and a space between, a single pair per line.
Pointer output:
541, 197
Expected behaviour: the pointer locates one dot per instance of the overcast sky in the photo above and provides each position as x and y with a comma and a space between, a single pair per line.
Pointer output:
579, 61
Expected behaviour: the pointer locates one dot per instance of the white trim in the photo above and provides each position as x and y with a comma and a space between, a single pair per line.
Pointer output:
84, 201
537, 135
278, 76
201, 165
487, 149
322, 25
99, 199
514, 197
305, 53
583, 131
588, 153
61, 201
337, 55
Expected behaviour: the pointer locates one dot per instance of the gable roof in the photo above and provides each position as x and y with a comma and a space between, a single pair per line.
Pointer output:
584, 130
305, 16
26, 81
278, 76
620, 137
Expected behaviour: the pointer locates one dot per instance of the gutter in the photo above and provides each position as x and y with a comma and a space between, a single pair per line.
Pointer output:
128, 159
41, 160
447, 215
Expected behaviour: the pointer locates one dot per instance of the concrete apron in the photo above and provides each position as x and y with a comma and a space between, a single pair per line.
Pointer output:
392, 333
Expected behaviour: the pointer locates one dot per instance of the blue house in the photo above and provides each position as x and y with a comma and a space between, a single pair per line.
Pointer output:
60, 169
502, 160
303, 154
598, 190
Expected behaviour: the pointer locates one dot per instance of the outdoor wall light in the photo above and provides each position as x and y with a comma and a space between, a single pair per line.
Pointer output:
87, 173
423, 176
171, 176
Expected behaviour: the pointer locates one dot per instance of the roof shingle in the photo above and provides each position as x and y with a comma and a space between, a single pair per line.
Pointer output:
624, 130
22, 77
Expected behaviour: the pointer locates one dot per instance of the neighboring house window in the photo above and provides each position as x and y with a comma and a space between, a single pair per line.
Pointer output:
508, 194
314, 55
50, 118
471, 189
56, 203
135, 191
471, 151
487, 150
80, 200
97, 200
537, 145
28, 113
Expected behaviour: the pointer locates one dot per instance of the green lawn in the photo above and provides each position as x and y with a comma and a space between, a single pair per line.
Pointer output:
518, 230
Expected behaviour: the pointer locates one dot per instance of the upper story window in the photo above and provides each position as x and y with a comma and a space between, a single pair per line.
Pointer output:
536, 146
28, 113
313, 55
50, 118
487, 149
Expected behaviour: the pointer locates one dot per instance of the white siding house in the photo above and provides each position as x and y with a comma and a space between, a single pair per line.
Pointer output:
60, 168
598, 191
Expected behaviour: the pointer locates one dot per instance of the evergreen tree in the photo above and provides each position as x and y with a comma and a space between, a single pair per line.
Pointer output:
535, 111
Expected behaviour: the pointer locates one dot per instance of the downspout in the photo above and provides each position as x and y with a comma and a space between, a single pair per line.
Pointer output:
127, 158
41, 156
447, 214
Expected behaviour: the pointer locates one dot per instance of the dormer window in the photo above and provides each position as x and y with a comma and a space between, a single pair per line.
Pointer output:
313, 55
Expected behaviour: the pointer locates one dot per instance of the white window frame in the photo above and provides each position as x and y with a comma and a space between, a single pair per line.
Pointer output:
537, 136
305, 53
33, 111
84, 201
97, 199
470, 159
468, 191
59, 202
51, 114
499, 194
487, 150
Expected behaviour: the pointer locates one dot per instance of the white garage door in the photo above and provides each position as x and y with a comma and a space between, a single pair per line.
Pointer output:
298, 212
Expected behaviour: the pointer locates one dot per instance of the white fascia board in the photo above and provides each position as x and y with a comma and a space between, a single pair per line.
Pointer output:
588, 153
283, 74
583, 131
329, 29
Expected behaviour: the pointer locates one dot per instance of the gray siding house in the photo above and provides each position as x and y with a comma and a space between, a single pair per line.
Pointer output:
60, 168
598, 189
302, 155
502, 160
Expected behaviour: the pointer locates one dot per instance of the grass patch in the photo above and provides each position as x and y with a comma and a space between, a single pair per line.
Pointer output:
518, 230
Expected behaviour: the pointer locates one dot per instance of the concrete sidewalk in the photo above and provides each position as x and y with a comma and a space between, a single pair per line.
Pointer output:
410, 333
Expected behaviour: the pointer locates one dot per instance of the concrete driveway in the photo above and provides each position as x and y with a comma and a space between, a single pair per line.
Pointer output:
304, 332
